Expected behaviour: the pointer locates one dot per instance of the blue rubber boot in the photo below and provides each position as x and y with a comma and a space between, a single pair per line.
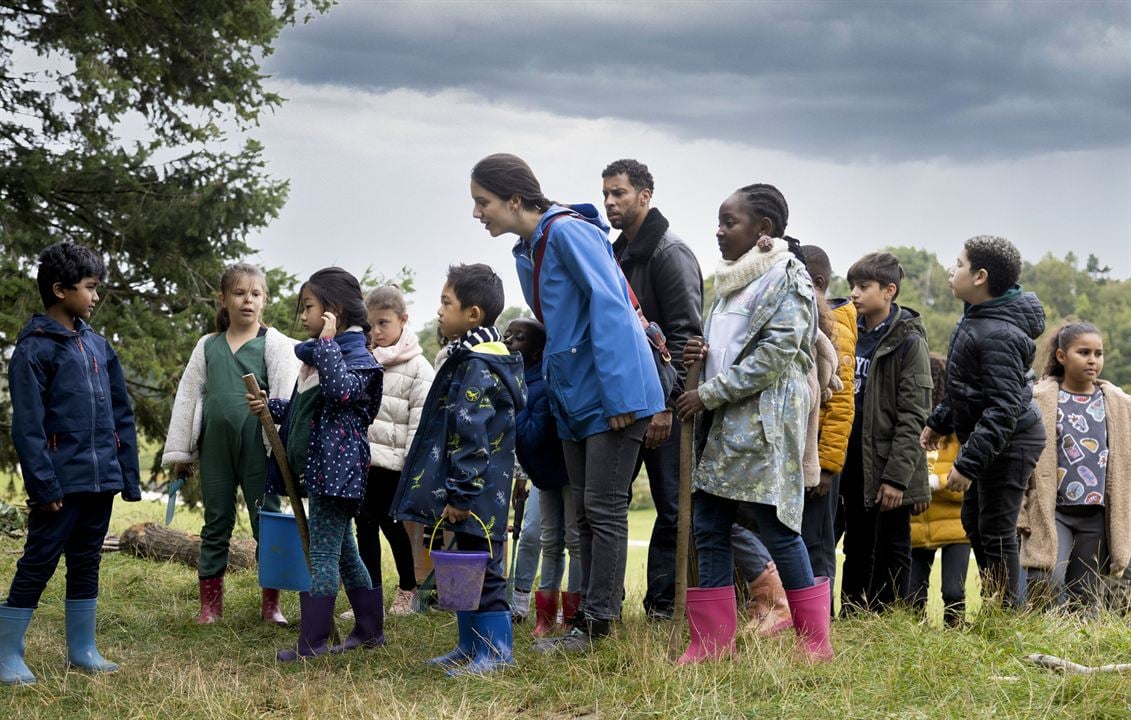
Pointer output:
494, 644
465, 646
316, 626
81, 652
13, 627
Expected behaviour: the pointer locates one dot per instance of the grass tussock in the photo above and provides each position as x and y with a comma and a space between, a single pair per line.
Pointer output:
896, 666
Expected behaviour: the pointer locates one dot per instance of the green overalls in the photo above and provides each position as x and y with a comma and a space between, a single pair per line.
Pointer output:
231, 448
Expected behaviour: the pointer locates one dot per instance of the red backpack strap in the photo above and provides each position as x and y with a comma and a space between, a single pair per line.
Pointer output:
539, 255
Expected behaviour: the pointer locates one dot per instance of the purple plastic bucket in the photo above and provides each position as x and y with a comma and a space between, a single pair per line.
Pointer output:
459, 578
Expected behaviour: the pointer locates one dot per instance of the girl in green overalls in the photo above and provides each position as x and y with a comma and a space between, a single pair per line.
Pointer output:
210, 426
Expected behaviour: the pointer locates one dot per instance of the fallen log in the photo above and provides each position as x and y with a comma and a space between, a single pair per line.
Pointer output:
151, 541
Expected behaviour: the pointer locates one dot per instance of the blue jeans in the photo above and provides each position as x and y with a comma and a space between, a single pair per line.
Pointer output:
663, 482
75, 530
559, 531
714, 517
750, 555
529, 544
600, 473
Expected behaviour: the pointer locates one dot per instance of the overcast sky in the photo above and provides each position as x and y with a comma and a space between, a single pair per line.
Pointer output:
883, 124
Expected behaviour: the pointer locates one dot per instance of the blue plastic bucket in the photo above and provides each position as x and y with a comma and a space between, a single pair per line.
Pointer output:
282, 563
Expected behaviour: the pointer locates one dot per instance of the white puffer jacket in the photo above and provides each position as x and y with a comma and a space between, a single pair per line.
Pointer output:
408, 377
182, 442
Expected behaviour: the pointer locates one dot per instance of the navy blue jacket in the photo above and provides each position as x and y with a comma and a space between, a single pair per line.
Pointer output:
337, 453
72, 422
536, 436
463, 451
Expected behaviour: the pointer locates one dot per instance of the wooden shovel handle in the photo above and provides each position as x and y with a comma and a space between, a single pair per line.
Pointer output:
683, 525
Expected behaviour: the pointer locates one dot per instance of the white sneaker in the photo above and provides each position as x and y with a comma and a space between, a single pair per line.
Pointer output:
347, 615
520, 606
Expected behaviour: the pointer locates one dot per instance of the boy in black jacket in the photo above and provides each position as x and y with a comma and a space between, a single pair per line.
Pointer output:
74, 432
989, 405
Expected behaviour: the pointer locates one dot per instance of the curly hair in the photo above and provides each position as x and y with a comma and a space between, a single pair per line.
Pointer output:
1000, 259
66, 263
636, 171
938, 377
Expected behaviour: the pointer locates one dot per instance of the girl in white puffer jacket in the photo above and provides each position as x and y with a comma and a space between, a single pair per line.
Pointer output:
408, 377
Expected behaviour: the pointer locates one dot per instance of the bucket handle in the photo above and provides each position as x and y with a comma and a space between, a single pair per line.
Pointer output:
486, 535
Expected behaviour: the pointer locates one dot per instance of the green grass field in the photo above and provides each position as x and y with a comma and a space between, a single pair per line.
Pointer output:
897, 666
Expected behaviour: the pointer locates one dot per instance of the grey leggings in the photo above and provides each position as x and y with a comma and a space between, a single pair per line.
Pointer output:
1081, 555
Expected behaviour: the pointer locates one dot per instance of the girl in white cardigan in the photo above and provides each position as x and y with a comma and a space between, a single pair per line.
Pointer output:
408, 377
211, 426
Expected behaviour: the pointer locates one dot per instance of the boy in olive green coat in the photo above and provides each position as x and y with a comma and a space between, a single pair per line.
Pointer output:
885, 474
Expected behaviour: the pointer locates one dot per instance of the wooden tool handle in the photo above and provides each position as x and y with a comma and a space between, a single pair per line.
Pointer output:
279, 452
683, 524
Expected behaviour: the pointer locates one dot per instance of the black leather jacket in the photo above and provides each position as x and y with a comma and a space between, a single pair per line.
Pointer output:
666, 278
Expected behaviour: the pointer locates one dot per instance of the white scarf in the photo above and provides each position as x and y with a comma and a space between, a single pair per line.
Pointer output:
733, 275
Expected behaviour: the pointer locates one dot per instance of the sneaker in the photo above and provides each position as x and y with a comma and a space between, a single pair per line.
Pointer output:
580, 638
403, 602
347, 615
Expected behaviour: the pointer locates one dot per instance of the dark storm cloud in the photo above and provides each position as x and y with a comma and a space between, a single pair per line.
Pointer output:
839, 80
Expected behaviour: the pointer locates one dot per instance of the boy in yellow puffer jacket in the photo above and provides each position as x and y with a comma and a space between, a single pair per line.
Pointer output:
940, 525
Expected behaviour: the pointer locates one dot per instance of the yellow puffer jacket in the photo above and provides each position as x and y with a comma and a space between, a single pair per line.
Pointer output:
941, 524
837, 414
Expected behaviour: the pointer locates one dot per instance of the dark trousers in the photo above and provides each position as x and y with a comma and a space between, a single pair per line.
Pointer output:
714, 519
955, 561
663, 481
373, 519
76, 531
989, 516
600, 472
817, 529
1081, 558
493, 598
877, 545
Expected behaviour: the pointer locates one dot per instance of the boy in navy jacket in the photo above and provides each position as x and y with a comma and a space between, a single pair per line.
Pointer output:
73, 429
462, 458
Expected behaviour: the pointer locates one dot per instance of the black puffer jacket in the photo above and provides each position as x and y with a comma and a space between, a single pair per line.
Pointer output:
989, 378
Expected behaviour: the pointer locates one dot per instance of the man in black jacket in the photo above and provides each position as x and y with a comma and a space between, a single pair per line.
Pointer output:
666, 278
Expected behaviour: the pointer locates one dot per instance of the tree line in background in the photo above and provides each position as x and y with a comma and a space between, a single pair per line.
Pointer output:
172, 205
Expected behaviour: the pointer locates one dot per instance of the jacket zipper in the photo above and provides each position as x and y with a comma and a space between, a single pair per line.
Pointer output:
86, 366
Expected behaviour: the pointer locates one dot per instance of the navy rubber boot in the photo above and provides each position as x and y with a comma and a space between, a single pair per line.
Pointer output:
317, 623
368, 620
81, 650
13, 627
494, 644
465, 646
